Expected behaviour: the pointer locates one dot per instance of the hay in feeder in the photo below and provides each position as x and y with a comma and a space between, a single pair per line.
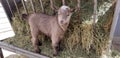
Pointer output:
87, 35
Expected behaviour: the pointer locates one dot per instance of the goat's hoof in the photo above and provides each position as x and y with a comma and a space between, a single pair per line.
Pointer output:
40, 44
55, 54
60, 49
38, 51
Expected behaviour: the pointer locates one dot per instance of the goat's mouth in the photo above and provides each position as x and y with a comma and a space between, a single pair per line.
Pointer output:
65, 24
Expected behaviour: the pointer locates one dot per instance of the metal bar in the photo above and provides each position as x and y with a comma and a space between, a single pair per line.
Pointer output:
9, 7
95, 12
53, 7
94, 18
20, 51
32, 4
1, 53
24, 5
17, 9
78, 9
51, 4
41, 5
78, 4
114, 23
63, 2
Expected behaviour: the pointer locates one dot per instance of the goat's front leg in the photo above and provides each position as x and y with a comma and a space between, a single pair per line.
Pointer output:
55, 45
59, 47
35, 45
35, 42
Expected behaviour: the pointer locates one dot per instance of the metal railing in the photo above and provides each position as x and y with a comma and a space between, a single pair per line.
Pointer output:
10, 4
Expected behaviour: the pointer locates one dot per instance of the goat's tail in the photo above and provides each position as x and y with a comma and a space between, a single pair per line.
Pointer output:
25, 16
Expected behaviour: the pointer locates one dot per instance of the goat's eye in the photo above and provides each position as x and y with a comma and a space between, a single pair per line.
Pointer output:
61, 22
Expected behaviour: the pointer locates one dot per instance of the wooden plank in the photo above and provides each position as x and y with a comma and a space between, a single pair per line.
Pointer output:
1, 53
5, 30
7, 53
3, 20
5, 27
20, 51
2, 14
6, 34
1, 9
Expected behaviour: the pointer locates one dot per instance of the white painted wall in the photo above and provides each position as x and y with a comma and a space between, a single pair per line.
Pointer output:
5, 29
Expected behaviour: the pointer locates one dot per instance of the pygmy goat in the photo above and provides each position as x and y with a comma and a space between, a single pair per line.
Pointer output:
52, 26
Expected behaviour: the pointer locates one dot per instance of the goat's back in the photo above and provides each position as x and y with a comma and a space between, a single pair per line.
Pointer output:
45, 23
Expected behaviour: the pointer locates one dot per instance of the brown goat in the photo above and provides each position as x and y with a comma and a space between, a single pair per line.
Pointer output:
52, 26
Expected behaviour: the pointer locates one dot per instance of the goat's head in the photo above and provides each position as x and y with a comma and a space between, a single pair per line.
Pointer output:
64, 15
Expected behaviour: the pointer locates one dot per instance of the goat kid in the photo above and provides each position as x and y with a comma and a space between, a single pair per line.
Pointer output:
52, 26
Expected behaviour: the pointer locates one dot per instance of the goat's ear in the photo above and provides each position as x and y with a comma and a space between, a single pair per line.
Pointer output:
24, 16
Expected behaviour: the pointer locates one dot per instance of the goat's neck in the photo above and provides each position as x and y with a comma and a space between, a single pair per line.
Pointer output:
60, 25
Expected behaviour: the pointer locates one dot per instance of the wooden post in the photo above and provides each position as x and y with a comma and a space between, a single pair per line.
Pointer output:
1, 54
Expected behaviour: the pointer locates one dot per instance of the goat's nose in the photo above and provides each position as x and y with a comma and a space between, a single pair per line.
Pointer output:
61, 22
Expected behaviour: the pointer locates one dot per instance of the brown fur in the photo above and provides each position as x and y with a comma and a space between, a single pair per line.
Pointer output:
51, 26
